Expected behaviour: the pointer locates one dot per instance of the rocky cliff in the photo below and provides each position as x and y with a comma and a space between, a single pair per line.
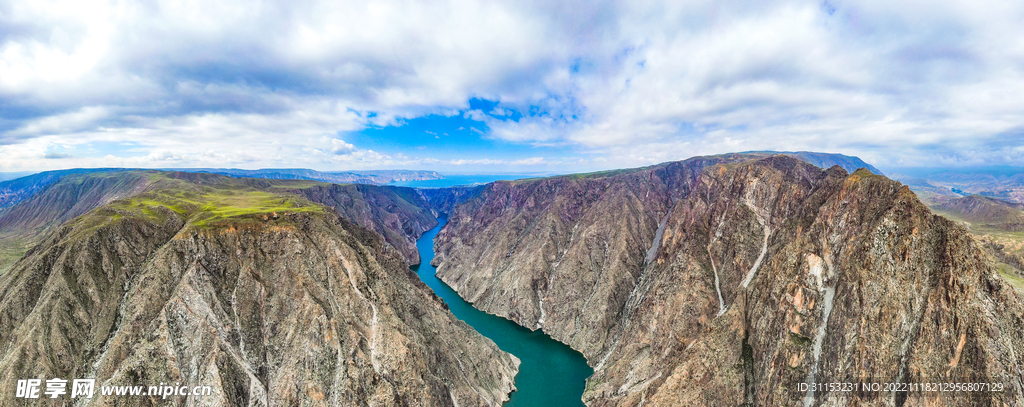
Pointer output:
442, 201
730, 280
264, 295
399, 214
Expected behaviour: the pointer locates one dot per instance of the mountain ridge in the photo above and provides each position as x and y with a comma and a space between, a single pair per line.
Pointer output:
399, 214
748, 273
760, 262
986, 212
265, 296
15, 190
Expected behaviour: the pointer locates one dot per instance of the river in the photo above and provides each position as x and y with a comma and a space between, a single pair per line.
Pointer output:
551, 373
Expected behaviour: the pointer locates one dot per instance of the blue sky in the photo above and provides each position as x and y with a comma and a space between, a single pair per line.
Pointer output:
480, 86
453, 136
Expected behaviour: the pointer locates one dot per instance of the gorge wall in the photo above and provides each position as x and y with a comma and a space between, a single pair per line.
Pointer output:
263, 295
729, 280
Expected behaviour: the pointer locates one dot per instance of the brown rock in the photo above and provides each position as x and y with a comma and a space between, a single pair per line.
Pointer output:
768, 272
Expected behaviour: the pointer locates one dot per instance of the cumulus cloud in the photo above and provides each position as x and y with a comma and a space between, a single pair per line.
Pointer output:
897, 82
274, 83
340, 147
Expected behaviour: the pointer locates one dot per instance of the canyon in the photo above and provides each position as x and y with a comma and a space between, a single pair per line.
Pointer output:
269, 298
746, 275
718, 280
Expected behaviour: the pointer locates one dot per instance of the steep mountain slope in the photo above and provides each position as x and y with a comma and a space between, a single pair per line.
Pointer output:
582, 235
16, 190
70, 197
266, 296
442, 201
997, 224
22, 225
986, 212
398, 214
730, 280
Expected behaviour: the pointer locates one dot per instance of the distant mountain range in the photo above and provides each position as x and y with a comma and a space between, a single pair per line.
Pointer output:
985, 212
379, 177
17, 186
4, 176
938, 184
16, 190
826, 160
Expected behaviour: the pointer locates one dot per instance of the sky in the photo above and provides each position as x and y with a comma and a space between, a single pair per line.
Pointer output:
479, 86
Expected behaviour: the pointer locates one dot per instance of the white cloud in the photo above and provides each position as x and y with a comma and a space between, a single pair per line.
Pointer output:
340, 147
623, 82
882, 80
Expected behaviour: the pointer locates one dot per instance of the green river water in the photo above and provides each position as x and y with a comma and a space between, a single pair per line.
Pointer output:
551, 373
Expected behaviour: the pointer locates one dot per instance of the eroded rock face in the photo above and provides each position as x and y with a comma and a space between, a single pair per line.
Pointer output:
442, 201
307, 309
398, 214
765, 274
582, 239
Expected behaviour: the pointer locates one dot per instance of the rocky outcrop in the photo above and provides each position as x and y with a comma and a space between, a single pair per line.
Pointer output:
399, 214
581, 238
442, 201
286, 308
730, 281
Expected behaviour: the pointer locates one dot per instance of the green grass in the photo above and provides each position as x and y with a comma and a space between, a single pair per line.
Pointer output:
522, 181
1008, 274
602, 174
214, 199
11, 250
202, 200
863, 173
235, 204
